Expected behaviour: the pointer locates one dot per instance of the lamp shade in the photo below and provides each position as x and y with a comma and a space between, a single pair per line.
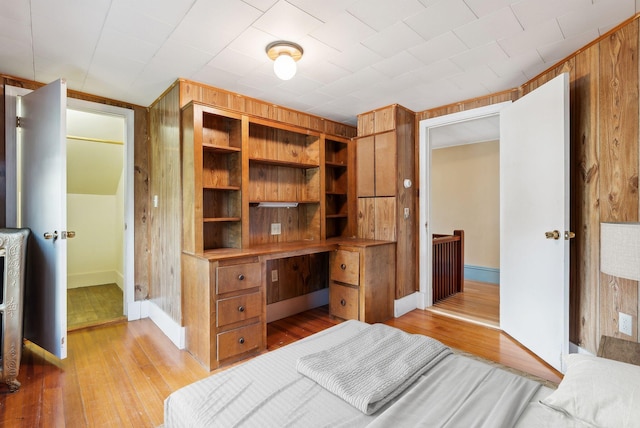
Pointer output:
620, 249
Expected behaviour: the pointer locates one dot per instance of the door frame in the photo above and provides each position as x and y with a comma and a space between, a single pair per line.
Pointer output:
424, 295
131, 308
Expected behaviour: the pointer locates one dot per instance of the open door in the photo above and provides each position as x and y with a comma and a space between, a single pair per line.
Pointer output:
534, 199
42, 207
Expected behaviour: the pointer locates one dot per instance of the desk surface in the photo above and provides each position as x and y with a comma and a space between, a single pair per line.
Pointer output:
288, 249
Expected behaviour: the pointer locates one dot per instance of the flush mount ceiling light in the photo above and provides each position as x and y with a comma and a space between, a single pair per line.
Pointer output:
284, 54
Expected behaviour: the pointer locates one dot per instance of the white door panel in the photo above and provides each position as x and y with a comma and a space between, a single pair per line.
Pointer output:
534, 199
42, 183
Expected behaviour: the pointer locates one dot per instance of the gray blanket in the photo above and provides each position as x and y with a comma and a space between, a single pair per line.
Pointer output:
468, 394
372, 368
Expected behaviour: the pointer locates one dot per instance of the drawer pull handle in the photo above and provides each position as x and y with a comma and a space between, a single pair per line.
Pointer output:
241, 277
240, 308
343, 266
241, 341
343, 302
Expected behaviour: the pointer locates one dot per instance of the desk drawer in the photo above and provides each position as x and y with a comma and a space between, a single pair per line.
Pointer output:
343, 301
239, 308
238, 277
345, 266
239, 341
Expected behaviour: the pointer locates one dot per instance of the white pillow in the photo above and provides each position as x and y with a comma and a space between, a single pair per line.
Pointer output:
597, 391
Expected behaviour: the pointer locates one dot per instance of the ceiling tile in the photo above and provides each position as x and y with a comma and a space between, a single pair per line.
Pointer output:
342, 31
380, 14
439, 48
494, 26
218, 78
531, 13
437, 71
252, 42
398, 64
353, 82
300, 85
555, 52
543, 34
262, 5
315, 51
235, 62
474, 79
324, 72
125, 17
15, 22
518, 63
16, 58
177, 60
119, 45
393, 39
478, 56
485, 7
355, 58
287, 22
598, 15
209, 27
440, 18
167, 12
323, 10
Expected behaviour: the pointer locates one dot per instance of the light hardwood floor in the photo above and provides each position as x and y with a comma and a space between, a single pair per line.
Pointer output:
479, 303
118, 375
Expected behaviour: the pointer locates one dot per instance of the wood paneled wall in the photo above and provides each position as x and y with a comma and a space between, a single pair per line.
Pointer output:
141, 179
604, 163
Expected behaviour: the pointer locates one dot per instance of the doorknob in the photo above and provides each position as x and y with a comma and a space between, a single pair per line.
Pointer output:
569, 235
49, 235
552, 235
68, 234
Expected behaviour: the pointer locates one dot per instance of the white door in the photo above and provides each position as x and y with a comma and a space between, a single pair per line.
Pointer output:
534, 199
42, 190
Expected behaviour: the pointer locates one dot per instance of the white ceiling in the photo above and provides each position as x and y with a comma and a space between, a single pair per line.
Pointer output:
358, 54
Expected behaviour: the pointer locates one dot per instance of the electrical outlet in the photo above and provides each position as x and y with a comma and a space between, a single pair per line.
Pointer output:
276, 228
406, 213
624, 323
274, 275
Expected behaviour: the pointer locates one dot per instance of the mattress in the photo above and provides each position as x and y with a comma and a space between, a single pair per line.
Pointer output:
267, 391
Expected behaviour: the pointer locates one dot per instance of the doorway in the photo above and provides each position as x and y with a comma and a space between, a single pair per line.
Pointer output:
95, 212
465, 195
459, 158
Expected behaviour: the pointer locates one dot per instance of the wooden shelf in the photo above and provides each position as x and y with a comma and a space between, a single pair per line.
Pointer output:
335, 164
220, 219
277, 162
221, 187
220, 149
345, 215
256, 202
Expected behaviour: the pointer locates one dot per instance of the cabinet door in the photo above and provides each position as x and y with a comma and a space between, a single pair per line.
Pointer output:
385, 164
365, 167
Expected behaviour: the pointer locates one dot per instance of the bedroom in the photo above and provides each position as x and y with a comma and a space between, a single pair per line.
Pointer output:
597, 297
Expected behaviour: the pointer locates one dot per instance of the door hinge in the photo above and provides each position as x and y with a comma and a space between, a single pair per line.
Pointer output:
18, 122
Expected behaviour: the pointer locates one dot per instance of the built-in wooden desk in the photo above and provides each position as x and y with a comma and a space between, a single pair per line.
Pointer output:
224, 292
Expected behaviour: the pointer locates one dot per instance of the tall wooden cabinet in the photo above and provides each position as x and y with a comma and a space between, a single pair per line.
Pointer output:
387, 202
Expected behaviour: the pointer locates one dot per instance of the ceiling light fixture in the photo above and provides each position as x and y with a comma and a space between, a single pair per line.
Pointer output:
284, 54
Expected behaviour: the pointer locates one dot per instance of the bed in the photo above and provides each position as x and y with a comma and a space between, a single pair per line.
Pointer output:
318, 382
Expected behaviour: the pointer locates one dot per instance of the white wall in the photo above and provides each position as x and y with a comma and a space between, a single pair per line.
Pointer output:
95, 254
